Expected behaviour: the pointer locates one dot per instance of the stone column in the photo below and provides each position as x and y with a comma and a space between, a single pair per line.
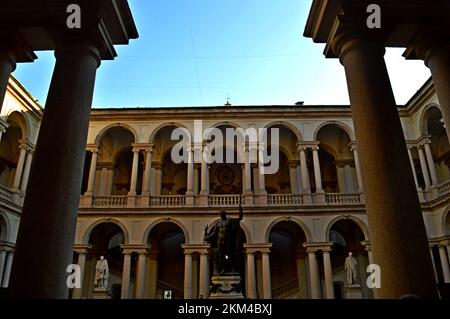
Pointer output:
431, 165
20, 165
187, 275
255, 173
7, 66
126, 275
204, 192
434, 265
82, 253
147, 172
153, 274
247, 172
358, 168
391, 196
293, 177
7, 271
2, 264
26, 171
444, 263
304, 169
134, 172
141, 277
329, 288
251, 275
267, 286
313, 273
92, 171
368, 248
413, 167
317, 174
438, 60
190, 177
51, 206
423, 165
448, 251
204, 275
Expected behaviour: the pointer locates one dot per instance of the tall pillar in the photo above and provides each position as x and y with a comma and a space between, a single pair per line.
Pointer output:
247, 172
204, 275
153, 274
204, 175
51, 206
358, 168
329, 288
7, 66
82, 253
126, 275
141, 276
147, 171
251, 275
190, 177
2, 264
430, 160
438, 60
444, 263
423, 165
317, 174
26, 171
134, 171
92, 171
313, 274
304, 169
267, 285
293, 177
187, 275
20, 165
434, 265
391, 196
7, 271
413, 167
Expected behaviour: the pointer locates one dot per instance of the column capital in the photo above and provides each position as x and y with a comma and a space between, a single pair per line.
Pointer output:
93, 148
353, 146
263, 248
3, 125
367, 245
303, 145
146, 147
411, 144
426, 139
140, 249
317, 246
82, 249
7, 246
136, 148
26, 144
200, 249
293, 164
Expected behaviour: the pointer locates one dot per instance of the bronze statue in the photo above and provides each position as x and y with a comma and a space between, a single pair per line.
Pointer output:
225, 240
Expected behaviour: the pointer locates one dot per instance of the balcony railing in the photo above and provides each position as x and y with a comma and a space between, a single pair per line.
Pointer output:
6, 193
223, 200
285, 290
343, 199
284, 199
168, 201
116, 201
444, 188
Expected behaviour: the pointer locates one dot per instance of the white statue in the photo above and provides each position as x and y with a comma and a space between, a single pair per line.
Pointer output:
350, 268
101, 274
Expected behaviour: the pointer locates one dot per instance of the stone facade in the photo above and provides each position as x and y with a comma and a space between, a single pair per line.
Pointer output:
146, 214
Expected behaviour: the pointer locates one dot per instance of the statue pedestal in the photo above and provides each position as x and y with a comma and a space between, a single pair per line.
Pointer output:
101, 293
353, 292
226, 287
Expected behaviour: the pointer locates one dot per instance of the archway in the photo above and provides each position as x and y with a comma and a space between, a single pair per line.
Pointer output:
346, 236
336, 160
166, 261
288, 261
106, 239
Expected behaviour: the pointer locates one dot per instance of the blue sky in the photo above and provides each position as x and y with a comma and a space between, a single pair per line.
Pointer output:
196, 52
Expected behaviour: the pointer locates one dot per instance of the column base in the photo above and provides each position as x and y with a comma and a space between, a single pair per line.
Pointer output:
86, 201
226, 287
131, 201
101, 294
261, 199
319, 197
189, 200
143, 201
248, 199
307, 198
203, 200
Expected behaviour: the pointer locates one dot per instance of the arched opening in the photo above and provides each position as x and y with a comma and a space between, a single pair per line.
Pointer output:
346, 236
170, 177
288, 261
337, 165
440, 149
10, 148
106, 240
287, 179
114, 164
166, 261
226, 172
3, 231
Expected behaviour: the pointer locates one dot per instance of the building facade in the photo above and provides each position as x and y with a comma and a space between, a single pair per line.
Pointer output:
146, 214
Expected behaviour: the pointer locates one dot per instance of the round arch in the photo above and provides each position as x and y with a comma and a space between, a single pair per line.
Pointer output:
288, 126
423, 117
297, 221
364, 228
155, 223
127, 127
91, 227
445, 215
156, 131
328, 149
338, 124
224, 123
23, 122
